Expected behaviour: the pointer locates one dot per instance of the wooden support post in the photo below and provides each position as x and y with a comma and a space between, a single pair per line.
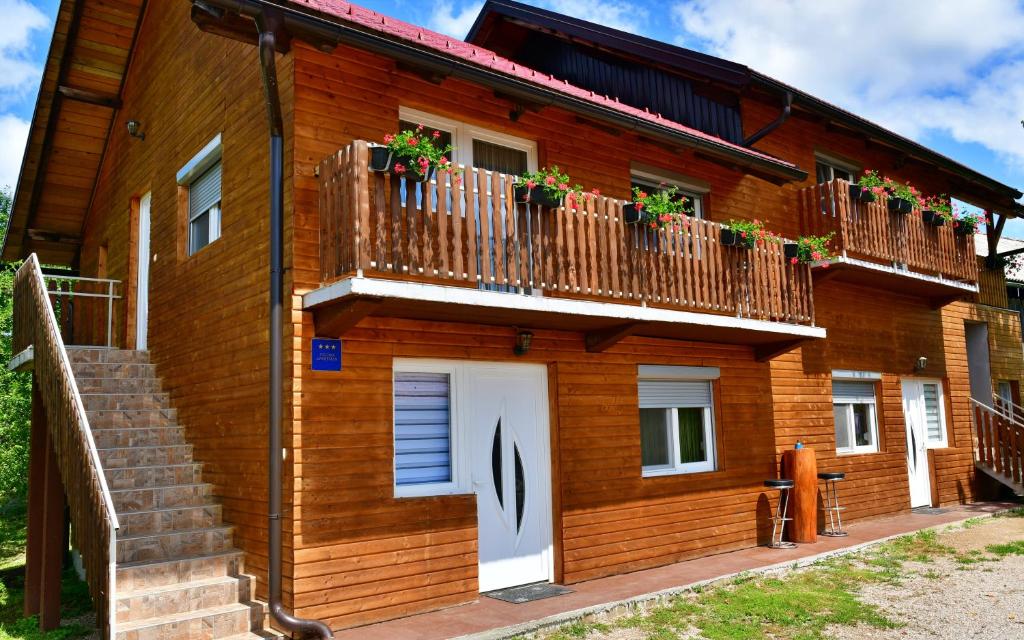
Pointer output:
334, 320
598, 341
36, 502
52, 544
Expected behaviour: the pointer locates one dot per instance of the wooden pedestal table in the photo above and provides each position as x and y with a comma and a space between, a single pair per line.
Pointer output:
801, 466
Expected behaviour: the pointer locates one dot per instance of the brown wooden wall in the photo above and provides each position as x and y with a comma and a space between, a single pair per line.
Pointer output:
362, 555
208, 312
870, 330
992, 286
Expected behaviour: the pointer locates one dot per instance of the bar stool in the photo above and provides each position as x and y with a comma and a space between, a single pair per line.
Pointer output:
779, 520
831, 506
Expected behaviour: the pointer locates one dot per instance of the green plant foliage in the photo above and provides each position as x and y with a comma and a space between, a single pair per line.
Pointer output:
15, 388
663, 208
416, 152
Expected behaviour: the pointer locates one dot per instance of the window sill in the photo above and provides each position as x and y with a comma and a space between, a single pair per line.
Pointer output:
430, 491
658, 473
867, 452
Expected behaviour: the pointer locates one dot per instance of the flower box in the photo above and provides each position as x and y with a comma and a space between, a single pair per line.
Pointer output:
791, 250
732, 239
933, 218
900, 205
536, 195
866, 195
963, 230
861, 194
381, 159
630, 214
412, 176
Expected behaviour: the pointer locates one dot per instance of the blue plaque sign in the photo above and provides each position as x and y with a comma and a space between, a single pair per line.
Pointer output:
326, 354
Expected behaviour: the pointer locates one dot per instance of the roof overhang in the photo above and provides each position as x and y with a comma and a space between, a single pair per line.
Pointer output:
324, 24
79, 97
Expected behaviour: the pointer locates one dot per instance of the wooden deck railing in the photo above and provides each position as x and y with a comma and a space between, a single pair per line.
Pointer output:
93, 519
471, 233
868, 231
1000, 444
84, 308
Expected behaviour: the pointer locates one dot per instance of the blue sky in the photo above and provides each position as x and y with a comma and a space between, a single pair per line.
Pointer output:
946, 73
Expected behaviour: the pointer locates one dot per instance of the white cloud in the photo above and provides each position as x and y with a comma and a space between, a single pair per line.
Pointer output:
13, 135
17, 71
445, 19
624, 16
956, 68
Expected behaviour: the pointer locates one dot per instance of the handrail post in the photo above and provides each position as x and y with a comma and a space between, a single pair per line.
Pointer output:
110, 313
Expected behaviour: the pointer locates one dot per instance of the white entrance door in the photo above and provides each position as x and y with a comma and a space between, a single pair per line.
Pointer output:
511, 471
142, 288
924, 412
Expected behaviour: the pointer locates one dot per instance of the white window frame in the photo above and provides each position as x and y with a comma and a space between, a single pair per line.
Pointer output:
464, 133
692, 374
940, 398
835, 163
458, 433
686, 188
858, 376
200, 163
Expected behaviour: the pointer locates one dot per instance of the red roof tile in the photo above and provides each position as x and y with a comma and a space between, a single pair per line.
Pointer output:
380, 23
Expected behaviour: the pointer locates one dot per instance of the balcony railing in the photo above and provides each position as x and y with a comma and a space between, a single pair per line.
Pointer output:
471, 233
869, 231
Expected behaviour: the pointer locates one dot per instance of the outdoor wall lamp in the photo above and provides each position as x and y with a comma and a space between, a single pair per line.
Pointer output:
133, 129
523, 341
921, 364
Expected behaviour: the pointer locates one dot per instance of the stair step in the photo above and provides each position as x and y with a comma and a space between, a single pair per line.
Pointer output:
134, 576
157, 476
114, 401
178, 599
149, 498
138, 437
173, 544
123, 457
124, 356
172, 519
1016, 487
203, 624
130, 418
87, 370
117, 385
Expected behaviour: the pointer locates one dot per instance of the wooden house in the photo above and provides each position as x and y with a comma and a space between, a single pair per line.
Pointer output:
524, 393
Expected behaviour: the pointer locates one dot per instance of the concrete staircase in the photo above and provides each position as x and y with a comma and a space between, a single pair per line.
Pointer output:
178, 575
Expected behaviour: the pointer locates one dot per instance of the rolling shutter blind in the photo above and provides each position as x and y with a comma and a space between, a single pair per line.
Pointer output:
668, 394
931, 412
852, 392
422, 428
204, 192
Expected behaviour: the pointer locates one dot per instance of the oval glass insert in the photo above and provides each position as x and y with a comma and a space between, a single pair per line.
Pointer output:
520, 489
496, 464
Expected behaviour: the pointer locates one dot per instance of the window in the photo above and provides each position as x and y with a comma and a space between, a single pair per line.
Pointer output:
829, 168
677, 426
424, 430
475, 146
688, 191
202, 177
856, 418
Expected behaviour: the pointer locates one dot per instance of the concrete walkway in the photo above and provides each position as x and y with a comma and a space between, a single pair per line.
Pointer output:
489, 619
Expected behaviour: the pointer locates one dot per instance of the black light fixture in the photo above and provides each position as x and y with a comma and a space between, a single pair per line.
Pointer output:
921, 364
133, 129
523, 341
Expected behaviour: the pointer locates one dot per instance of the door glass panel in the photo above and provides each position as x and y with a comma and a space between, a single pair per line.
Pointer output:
520, 489
496, 465
494, 157
654, 437
692, 447
931, 412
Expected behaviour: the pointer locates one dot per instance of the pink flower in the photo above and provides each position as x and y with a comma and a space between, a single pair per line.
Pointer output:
793, 261
596, 192
530, 184
563, 187
824, 266
389, 138
419, 127
638, 205
743, 234
642, 195
816, 255
443, 160
436, 134
412, 142
399, 168
549, 180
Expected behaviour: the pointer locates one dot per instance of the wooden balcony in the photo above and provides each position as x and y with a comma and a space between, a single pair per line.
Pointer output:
884, 249
391, 241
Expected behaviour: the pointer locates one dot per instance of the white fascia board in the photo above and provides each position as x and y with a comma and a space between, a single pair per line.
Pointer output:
970, 288
23, 360
420, 292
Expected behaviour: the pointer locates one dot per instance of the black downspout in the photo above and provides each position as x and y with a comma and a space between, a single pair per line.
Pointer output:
787, 109
268, 23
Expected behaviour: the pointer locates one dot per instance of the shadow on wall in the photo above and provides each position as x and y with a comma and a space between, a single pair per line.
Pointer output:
764, 520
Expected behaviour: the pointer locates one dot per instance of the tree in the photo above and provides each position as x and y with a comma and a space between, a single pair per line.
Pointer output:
15, 388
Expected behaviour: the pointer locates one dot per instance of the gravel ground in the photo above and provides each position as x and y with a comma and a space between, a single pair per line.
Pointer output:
949, 601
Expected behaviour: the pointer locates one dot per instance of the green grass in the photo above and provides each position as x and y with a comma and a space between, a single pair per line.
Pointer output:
1015, 548
75, 601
